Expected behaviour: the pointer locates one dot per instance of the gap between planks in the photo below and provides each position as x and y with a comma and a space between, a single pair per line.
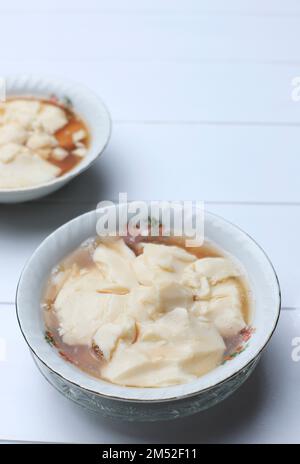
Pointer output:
191, 12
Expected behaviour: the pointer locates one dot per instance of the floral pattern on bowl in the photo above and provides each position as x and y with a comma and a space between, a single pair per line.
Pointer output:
243, 337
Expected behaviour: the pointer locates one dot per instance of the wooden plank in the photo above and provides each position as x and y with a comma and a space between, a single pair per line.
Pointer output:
212, 163
181, 36
197, 93
247, 7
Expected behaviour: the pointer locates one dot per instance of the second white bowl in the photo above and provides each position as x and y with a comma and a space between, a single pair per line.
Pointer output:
85, 103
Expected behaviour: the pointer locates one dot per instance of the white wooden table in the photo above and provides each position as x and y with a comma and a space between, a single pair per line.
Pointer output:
200, 97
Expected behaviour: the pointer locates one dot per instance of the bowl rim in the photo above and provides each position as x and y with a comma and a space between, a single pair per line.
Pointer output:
80, 167
168, 398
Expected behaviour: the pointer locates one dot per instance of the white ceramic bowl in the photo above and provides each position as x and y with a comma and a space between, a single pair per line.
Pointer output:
85, 103
148, 403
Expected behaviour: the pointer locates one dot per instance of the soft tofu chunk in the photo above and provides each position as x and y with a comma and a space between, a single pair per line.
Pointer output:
150, 302
79, 135
9, 151
43, 152
114, 266
59, 154
198, 283
80, 152
143, 303
171, 295
81, 309
224, 309
169, 258
171, 350
22, 112
216, 269
41, 140
109, 335
161, 262
26, 170
12, 133
51, 118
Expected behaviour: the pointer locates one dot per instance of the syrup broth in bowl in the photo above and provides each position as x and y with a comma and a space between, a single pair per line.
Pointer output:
147, 311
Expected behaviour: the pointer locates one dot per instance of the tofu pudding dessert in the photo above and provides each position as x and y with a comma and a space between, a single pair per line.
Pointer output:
39, 141
146, 311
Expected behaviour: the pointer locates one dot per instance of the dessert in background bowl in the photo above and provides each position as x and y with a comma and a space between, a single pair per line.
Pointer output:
50, 131
147, 329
